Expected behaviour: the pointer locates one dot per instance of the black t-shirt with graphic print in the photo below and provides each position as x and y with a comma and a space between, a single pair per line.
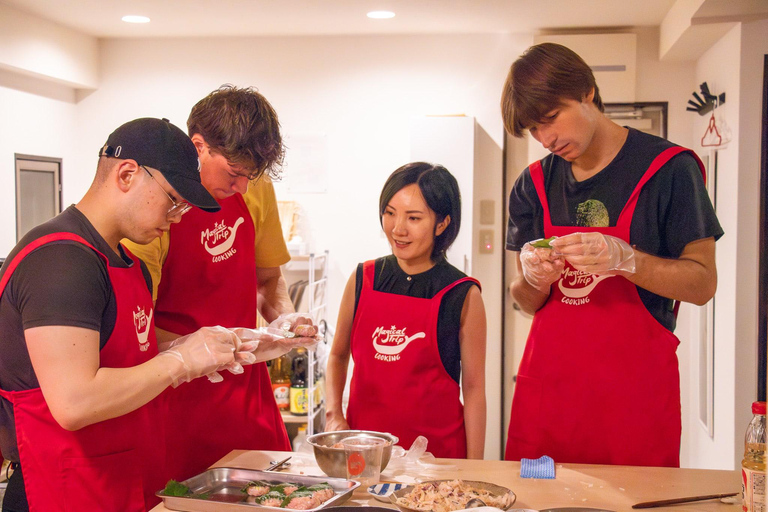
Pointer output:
61, 283
673, 208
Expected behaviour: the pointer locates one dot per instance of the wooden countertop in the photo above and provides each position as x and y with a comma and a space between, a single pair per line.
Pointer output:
575, 485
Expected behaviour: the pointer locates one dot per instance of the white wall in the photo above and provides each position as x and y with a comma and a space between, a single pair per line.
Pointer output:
32, 124
721, 71
36, 47
738, 181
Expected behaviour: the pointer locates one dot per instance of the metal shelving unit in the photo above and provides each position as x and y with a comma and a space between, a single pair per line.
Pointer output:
315, 291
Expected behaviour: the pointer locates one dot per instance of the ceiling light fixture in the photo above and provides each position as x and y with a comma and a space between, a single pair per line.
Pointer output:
381, 15
135, 19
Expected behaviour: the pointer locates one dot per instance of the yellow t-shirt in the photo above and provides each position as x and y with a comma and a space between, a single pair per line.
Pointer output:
270, 245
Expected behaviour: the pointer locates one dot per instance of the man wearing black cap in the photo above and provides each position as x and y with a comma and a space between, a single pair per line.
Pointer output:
81, 375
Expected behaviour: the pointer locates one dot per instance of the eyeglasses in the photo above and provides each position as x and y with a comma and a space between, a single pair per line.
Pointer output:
178, 209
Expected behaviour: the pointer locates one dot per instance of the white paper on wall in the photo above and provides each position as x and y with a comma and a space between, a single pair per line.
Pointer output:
305, 170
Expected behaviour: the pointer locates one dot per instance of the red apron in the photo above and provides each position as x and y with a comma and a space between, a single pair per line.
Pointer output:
111, 465
209, 278
598, 382
399, 384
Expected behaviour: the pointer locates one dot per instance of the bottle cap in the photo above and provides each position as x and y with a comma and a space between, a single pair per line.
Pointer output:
758, 408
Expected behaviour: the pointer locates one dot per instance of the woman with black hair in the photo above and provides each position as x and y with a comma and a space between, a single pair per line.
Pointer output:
414, 325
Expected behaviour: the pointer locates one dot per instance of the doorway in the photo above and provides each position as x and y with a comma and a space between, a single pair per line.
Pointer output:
38, 191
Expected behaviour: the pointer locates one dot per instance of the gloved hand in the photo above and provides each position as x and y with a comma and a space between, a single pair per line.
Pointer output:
265, 344
202, 353
299, 323
541, 266
596, 253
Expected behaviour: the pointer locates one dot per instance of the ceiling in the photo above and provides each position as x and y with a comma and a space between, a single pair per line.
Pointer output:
201, 18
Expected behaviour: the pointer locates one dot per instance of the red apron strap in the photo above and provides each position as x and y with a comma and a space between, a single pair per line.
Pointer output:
26, 251
369, 274
537, 175
625, 218
438, 298
35, 244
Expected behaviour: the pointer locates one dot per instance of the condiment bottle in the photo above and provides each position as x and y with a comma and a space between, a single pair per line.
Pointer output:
319, 386
753, 465
280, 373
301, 438
298, 393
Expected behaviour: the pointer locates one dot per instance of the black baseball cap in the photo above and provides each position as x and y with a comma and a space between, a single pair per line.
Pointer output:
158, 144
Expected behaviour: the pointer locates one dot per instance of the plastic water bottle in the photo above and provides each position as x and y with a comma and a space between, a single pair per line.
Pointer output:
753, 465
301, 438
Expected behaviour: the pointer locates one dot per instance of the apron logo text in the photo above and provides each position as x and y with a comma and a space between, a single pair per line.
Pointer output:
219, 240
224, 256
389, 343
576, 285
141, 322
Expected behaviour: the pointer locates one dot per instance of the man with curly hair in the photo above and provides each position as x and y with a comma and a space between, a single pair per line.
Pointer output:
219, 269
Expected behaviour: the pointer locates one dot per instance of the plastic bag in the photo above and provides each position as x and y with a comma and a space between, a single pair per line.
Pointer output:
416, 459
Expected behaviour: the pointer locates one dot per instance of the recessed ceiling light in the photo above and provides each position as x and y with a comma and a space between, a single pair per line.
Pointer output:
381, 15
135, 19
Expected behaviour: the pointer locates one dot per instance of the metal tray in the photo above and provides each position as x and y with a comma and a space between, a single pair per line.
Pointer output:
223, 486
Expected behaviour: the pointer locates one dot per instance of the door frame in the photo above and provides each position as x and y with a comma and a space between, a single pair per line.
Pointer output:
17, 157
762, 337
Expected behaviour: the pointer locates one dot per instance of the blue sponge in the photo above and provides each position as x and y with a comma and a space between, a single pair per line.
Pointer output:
543, 467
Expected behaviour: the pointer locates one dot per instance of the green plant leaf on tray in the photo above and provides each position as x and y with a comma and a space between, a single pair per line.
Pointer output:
174, 488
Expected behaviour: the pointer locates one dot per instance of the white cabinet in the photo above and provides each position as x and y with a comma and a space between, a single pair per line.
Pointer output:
450, 142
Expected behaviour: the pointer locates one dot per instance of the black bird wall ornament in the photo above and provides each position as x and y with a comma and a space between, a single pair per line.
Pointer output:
707, 103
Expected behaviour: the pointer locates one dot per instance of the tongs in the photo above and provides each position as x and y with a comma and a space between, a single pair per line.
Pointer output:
274, 466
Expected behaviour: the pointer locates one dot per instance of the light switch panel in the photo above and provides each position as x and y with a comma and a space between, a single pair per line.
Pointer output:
486, 241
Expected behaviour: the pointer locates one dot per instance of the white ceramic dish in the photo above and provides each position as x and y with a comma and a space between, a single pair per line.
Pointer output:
382, 491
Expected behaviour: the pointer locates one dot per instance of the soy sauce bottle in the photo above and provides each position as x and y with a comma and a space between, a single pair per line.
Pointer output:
280, 373
298, 392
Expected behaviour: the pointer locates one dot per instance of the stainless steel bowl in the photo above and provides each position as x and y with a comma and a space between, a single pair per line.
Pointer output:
332, 461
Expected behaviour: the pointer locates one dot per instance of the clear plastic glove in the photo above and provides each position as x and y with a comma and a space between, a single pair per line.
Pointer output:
541, 266
268, 343
596, 253
298, 323
202, 353
408, 460
417, 449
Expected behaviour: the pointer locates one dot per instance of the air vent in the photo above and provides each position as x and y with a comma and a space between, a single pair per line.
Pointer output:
612, 57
